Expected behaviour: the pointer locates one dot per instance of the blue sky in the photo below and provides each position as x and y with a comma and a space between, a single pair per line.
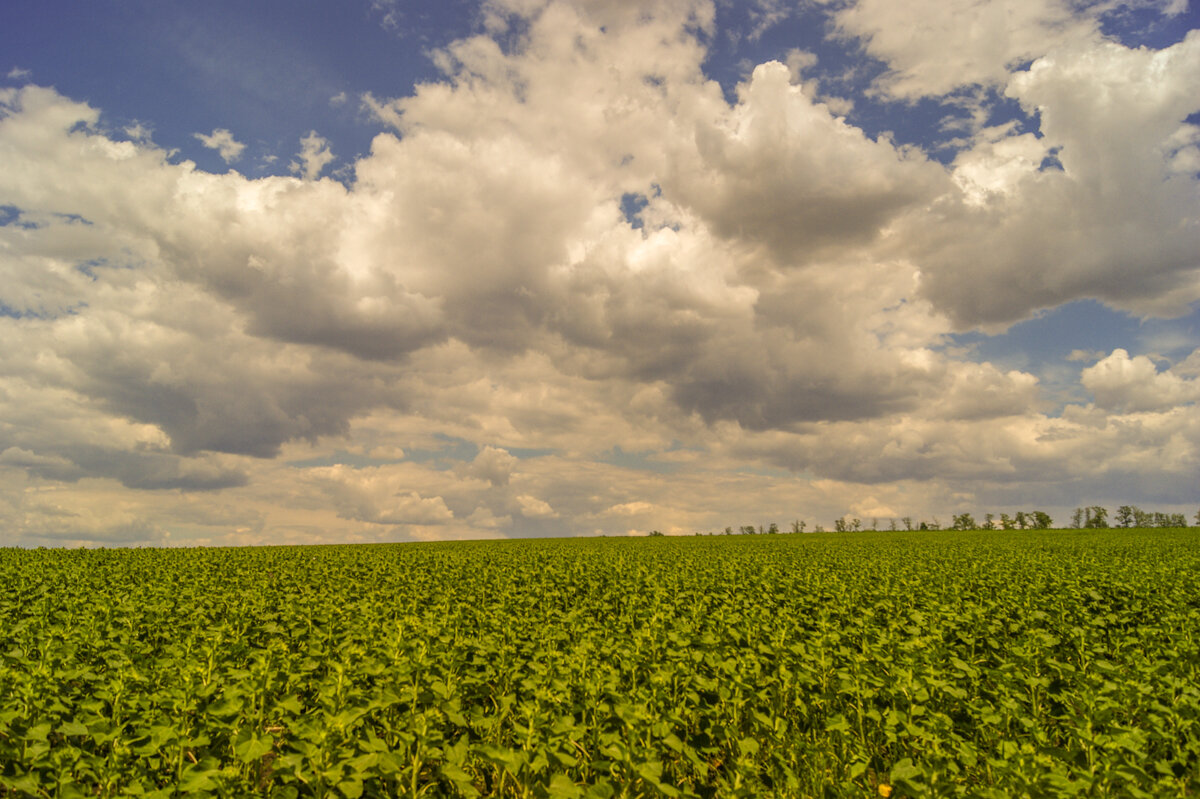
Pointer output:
271, 69
386, 270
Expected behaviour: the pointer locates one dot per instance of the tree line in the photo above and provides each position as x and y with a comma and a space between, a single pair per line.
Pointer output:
1095, 516
1089, 517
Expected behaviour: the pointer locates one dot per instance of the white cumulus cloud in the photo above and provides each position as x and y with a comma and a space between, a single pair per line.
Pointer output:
221, 140
315, 154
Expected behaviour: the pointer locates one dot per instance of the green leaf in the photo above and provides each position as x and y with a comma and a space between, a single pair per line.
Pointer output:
904, 771
252, 748
23, 784
38, 732
601, 789
196, 780
364, 762
561, 787
351, 788
837, 724
455, 774
73, 728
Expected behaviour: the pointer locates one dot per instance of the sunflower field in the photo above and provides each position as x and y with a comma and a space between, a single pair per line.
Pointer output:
981, 663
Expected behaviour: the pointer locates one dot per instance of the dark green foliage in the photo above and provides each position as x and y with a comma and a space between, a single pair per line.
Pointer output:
979, 664
1041, 520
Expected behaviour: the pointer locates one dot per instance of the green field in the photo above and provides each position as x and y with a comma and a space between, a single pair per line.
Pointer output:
1049, 663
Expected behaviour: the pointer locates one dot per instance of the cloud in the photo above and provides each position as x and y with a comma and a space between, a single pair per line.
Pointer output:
638, 508
314, 156
390, 16
933, 47
783, 170
147, 471
17, 74
139, 132
1115, 222
534, 508
1119, 382
223, 142
378, 496
494, 465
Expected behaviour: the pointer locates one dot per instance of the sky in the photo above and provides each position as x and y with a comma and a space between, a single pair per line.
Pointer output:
341, 271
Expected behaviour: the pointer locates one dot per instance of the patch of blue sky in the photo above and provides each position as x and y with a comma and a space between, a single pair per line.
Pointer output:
1147, 26
1058, 344
38, 314
10, 216
524, 453
632, 206
641, 460
268, 72
742, 41
89, 267
942, 126
935, 125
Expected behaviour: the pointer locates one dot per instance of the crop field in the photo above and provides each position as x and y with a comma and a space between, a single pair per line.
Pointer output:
1047, 663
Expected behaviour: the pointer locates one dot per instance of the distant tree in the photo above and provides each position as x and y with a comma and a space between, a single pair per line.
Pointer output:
1006, 523
1041, 521
874, 523
797, 526
1126, 516
1077, 518
840, 524
964, 521
908, 522
989, 521
856, 525
892, 524
1142, 518
818, 529
1020, 520
1197, 518
728, 531
1178, 520
773, 529
655, 533
923, 526
1097, 517
747, 529
935, 524
1162, 520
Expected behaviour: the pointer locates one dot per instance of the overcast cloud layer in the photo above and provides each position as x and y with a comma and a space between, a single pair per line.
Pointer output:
577, 287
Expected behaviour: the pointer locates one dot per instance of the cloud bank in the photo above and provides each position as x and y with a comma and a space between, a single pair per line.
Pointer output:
473, 335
